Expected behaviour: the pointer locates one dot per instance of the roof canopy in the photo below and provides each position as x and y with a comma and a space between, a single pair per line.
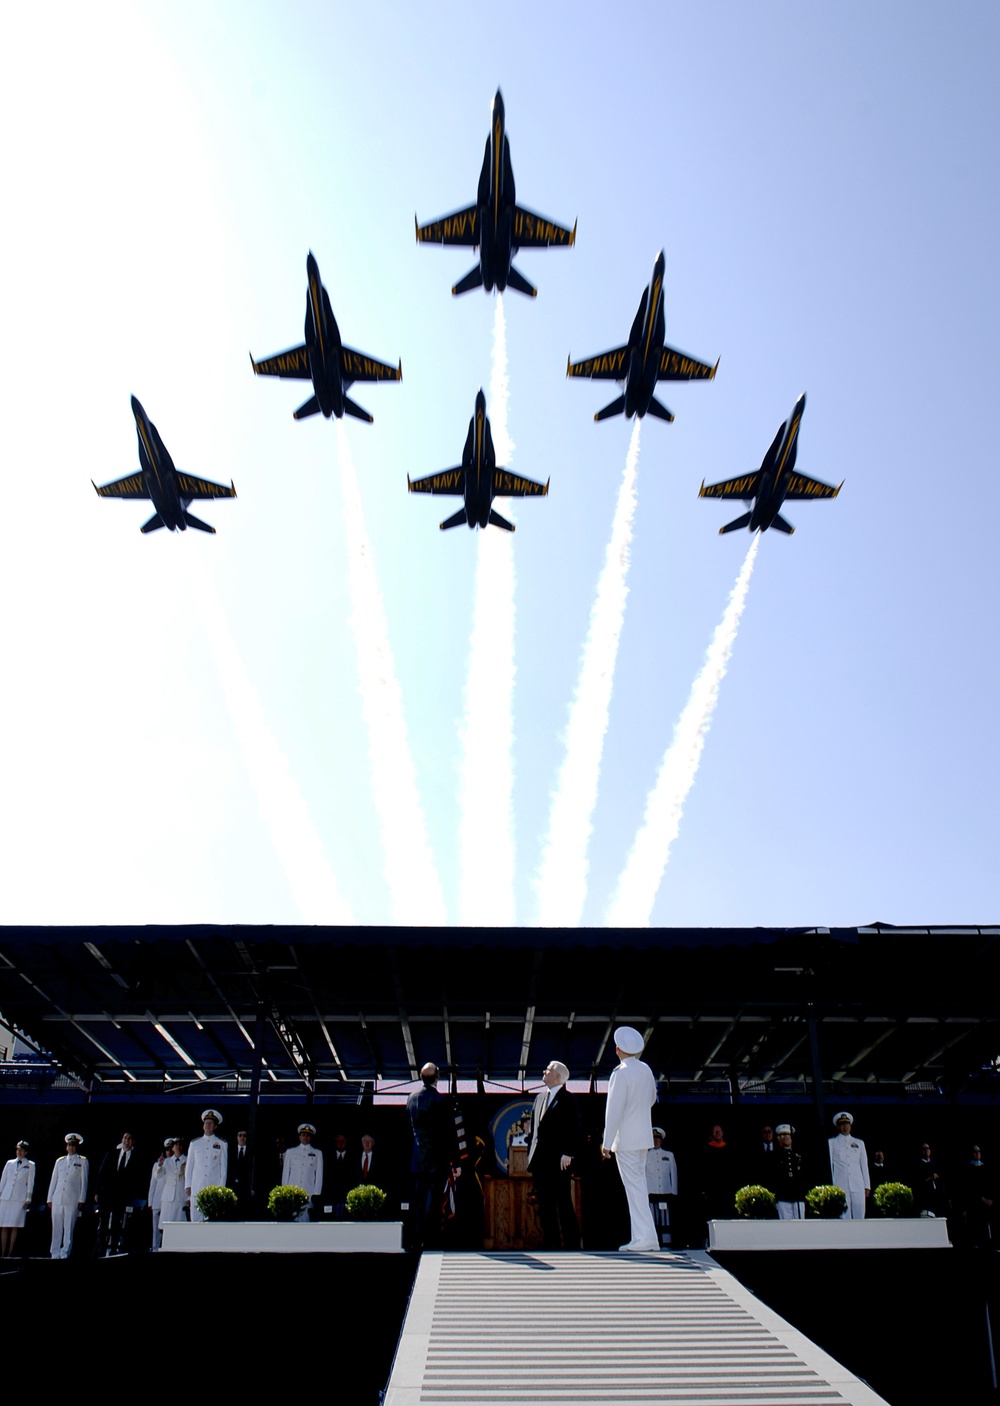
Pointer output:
757, 1009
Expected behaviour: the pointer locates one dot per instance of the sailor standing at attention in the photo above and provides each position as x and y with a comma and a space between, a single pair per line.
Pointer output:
628, 1133
849, 1167
206, 1161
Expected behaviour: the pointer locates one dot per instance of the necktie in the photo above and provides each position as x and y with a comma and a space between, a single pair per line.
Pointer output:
364, 1167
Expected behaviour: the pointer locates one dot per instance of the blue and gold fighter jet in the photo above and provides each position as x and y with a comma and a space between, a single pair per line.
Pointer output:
773, 483
171, 492
643, 360
324, 360
477, 479
496, 225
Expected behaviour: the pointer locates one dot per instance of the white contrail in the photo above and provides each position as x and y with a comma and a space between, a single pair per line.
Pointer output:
562, 882
632, 905
486, 816
410, 871
281, 804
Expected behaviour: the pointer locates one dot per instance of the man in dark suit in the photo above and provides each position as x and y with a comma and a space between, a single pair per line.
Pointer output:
555, 1142
122, 1183
435, 1149
241, 1174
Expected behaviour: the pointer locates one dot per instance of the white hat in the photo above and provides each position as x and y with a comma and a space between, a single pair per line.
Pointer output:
73, 1137
169, 1141
305, 1128
658, 1132
212, 1113
784, 1128
628, 1040
841, 1117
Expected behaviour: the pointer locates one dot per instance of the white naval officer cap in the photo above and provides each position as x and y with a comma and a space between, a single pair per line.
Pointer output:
169, 1141
73, 1137
784, 1128
629, 1040
212, 1113
306, 1128
841, 1118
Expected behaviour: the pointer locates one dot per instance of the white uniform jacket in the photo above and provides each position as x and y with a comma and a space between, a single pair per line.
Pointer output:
631, 1094
207, 1160
303, 1166
18, 1180
170, 1179
156, 1186
68, 1185
849, 1164
661, 1173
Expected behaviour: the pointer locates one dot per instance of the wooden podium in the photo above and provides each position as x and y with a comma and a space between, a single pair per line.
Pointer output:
509, 1208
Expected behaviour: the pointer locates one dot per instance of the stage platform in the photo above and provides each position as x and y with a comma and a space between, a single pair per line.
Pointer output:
525, 1328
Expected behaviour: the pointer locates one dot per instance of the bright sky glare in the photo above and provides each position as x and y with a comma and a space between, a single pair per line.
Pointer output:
188, 720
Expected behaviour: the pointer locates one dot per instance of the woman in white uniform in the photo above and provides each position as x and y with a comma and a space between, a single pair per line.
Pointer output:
16, 1186
170, 1175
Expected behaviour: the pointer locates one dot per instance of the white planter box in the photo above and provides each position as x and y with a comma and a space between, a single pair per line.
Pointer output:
282, 1238
922, 1233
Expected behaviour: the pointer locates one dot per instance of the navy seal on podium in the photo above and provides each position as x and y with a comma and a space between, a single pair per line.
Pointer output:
628, 1133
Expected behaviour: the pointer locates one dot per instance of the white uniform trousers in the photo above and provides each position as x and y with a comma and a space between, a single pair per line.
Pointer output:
632, 1170
63, 1225
791, 1210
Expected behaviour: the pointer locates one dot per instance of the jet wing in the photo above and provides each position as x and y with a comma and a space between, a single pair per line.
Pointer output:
132, 486
533, 231
451, 481
508, 485
190, 487
608, 366
801, 487
357, 366
462, 227
676, 366
744, 487
291, 365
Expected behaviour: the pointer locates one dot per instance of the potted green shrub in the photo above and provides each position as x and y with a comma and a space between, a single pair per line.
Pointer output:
217, 1202
285, 1202
827, 1202
366, 1202
756, 1203
893, 1200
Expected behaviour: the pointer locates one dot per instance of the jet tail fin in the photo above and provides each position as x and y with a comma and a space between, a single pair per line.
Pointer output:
456, 520
351, 407
473, 279
498, 521
617, 407
520, 284
154, 522
311, 407
196, 522
782, 524
736, 524
660, 411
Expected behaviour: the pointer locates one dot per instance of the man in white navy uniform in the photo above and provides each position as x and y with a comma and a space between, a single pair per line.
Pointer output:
207, 1161
303, 1166
628, 1133
67, 1195
661, 1182
849, 1167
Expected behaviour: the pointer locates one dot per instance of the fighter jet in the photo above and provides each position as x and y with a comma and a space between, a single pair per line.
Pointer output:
773, 482
324, 360
477, 479
171, 492
643, 360
496, 225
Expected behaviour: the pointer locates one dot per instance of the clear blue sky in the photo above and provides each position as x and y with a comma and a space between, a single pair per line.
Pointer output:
184, 737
